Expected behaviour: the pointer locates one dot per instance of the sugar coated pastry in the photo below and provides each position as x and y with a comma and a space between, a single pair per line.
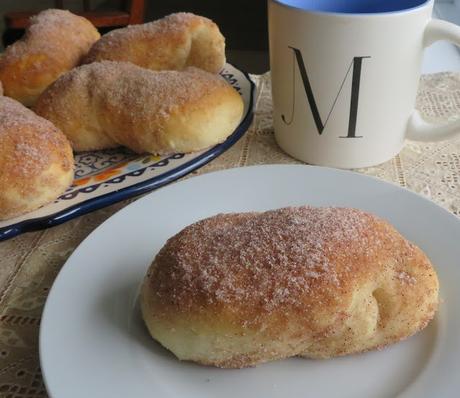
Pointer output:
36, 160
236, 290
54, 43
107, 104
171, 43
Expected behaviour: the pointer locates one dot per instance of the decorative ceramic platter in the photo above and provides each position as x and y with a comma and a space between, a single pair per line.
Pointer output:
93, 342
106, 177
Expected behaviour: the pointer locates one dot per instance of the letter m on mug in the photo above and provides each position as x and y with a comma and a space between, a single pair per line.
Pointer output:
355, 66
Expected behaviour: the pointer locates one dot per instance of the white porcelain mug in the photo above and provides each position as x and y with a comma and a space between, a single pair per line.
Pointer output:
345, 75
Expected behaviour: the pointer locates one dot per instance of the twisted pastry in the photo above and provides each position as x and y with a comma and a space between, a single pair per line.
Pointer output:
54, 43
107, 104
171, 43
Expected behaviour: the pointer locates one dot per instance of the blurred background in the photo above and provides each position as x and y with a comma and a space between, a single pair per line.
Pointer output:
243, 23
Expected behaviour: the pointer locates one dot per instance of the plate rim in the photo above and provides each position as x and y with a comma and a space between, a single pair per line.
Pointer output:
98, 202
452, 217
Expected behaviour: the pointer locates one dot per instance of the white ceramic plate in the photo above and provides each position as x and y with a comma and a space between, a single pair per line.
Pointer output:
93, 342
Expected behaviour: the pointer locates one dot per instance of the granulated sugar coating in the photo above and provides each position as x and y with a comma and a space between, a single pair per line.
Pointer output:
141, 90
236, 290
36, 160
105, 104
28, 142
175, 24
54, 42
271, 258
171, 43
41, 37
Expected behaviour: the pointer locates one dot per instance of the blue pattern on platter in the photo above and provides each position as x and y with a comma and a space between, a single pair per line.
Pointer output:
89, 163
133, 163
105, 177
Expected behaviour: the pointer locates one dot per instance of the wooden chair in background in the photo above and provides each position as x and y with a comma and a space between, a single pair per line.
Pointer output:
132, 13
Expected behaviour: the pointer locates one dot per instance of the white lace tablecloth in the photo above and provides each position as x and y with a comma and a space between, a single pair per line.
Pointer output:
30, 262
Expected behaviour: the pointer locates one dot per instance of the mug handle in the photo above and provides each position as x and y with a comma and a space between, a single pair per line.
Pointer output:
418, 129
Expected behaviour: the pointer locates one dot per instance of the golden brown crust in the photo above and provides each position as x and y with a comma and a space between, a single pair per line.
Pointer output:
54, 43
36, 160
171, 43
105, 104
240, 289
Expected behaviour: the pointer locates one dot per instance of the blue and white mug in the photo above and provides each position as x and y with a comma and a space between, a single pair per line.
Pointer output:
345, 75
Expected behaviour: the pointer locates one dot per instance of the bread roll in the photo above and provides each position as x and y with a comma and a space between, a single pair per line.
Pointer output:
236, 290
107, 104
53, 43
172, 43
36, 160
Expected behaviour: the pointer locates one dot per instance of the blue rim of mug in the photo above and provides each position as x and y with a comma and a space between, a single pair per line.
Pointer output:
283, 3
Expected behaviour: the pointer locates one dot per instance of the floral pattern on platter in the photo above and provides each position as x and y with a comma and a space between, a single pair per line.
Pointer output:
108, 176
